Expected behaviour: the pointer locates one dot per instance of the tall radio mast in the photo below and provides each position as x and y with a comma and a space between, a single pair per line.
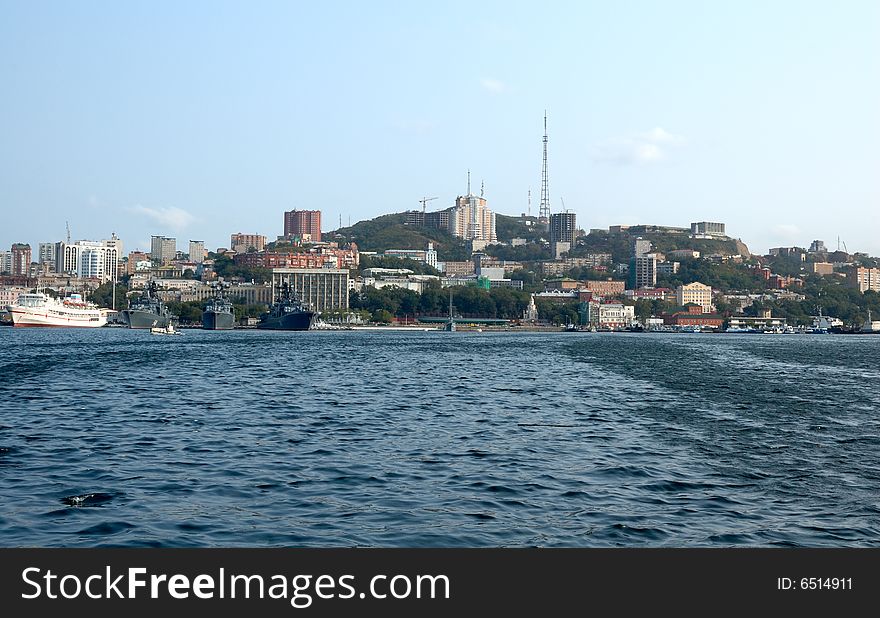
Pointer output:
544, 212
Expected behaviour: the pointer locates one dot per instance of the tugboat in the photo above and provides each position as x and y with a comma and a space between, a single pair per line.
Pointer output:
218, 313
288, 313
148, 311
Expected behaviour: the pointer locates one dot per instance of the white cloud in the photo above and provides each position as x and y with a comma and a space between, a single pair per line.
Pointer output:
637, 149
495, 86
171, 217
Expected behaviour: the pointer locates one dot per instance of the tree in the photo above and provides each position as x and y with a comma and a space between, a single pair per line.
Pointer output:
382, 316
103, 296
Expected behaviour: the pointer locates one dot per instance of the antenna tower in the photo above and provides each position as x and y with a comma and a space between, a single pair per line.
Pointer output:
544, 212
67, 225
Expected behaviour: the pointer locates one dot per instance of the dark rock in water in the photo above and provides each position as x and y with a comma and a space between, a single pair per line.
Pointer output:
96, 499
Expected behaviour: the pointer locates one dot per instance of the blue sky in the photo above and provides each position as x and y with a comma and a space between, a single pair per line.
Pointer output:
200, 119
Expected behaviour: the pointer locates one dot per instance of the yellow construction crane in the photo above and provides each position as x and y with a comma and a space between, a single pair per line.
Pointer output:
424, 202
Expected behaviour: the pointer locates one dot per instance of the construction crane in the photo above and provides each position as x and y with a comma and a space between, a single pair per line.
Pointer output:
563, 204
424, 201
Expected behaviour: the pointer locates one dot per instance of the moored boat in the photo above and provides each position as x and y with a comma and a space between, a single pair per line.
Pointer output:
38, 309
148, 310
219, 313
287, 313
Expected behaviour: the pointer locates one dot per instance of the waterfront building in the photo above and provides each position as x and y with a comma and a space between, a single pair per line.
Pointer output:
242, 243
323, 289
21, 259
197, 251
163, 249
695, 293
864, 279
707, 229
302, 222
614, 315
694, 316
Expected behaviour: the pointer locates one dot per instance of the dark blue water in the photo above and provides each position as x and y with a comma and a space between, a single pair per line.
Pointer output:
248, 438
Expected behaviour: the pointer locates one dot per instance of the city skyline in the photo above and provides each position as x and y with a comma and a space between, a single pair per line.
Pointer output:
758, 116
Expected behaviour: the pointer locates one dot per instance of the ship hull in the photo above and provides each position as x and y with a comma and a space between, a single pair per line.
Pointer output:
291, 321
212, 320
43, 318
144, 319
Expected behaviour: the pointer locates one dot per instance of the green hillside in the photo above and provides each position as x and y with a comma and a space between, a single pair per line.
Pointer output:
391, 232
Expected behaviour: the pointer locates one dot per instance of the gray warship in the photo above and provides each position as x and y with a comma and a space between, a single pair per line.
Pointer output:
288, 313
148, 310
219, 314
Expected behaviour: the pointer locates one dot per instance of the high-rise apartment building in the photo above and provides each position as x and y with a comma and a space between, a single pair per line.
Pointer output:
242, 243
471, 219
643, 271
563, 227
21, 259
864, 279
301, 222
163, 249
47, 253
197, 251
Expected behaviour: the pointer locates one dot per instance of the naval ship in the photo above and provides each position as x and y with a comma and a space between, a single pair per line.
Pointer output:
288, 313
148, 311
218, 314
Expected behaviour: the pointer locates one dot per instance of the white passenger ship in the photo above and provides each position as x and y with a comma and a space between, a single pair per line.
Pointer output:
42, 310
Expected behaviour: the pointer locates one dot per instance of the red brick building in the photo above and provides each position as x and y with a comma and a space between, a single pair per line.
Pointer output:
300, 222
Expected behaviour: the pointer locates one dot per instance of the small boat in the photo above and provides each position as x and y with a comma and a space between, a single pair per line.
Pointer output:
168, 329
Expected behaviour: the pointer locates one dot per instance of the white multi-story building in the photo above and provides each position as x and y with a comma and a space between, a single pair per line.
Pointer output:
89, 258
614, 315
471, 219
5, 261
46, 253
197, 251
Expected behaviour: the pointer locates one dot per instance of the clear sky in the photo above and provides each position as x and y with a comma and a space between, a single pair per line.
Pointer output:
200, 119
